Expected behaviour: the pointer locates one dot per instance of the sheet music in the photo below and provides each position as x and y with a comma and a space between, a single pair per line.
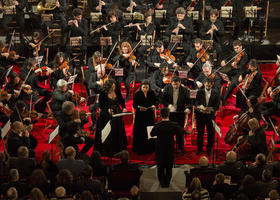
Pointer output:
217, 128
38, 59
122, 114
72, 79
5, 129
106, 131
149, 130
53, 134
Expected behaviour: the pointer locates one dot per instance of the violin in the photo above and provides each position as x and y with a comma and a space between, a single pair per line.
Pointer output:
169, 58
12, 54
104, 79
64, 65
4, 95
82, 115
202, 55
275, 91
103, 61
248, 79
227, 2
167, 78
27, 89
43, 72
237, 59
32, 114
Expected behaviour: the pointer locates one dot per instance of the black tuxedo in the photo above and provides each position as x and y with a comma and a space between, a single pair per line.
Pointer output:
25, 166
205, 118
157, 82
165, 131
235, 170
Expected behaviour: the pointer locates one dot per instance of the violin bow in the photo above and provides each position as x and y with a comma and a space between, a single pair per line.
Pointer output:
109, 58
242, 92
275, 131
201, 55
11, 41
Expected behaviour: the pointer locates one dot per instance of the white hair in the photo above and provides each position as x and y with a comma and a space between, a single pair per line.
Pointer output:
61, 83
207, 64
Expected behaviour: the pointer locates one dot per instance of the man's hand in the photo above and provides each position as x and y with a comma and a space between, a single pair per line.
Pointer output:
157, 64
82, 100
175, 30
15, 3
223, 63
38, 71
76, 23
240, 78
210, 31
71, 92
5, 54
171, 108
98, 8
124, 110
187, 111
181, 26
199, 84
57, 4
159, 6
32, 44
77, 121
190, 64
142, 108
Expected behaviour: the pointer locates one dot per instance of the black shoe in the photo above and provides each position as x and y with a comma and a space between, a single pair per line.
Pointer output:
198, 152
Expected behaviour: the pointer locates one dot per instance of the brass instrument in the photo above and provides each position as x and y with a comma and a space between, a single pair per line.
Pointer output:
49, 5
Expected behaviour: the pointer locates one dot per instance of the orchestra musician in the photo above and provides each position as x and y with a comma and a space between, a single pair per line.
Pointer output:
30, 73
62, 94
180, 25
58, 13
205, 74
251, 84
100, 6
176, 98
5, 56
213, 29
4, 117
207, 102
36, 48
128, 63
157, 82
111, 102
197, 57
238, 16
237, 67
71, 127
78, 26
18, 16
250, 145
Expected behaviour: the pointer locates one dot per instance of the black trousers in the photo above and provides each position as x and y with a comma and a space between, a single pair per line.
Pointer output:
7, 20
202, 120
164, 172
179, 117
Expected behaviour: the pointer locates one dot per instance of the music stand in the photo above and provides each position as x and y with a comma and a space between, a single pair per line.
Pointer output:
160, 14
193, 14
53, 135
47, 18
226, 12
176, 39
138, 16
146, 40
250, 11
217, 129
95, 17
183, 74
105, 41
9, 10
76, 41
118, 71
128, 16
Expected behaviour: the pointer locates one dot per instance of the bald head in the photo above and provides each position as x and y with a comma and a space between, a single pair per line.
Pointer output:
231, 157
60, 191
70, 152
203, 161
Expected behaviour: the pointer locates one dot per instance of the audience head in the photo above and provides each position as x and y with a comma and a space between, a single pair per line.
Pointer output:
266, 175
70, 152
195, 184
17, 127
86, 195
273, 195
37, 194
64, 177
231, 157
46, 155
87, 172
12, 193
260, 159
37, 178
220, 178
23, 152
164, 113
134, 191
196, 195
248, 182
124, 156
203, 161
60, 192
14, 175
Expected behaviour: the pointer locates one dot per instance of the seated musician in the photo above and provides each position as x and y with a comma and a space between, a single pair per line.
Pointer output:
17, 15
36, 47
213, 29
256, 142
181, 25
129, 6
100, 6
4, 110
157, 82
197, 57
207, 73
97, 80
127, 63
78, 27
71, 127
5, 58
62, 94
251, 84
29, 73
272, 108
147, 29
157, 56
237, 67
61, 69
238, 16
58, 14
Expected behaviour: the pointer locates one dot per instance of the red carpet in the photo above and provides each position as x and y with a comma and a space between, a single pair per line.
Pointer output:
44, 127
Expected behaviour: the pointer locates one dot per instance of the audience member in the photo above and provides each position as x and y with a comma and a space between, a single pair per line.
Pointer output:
37, 194
60, 193
38, 179
23, 163
256, 169
86, 195
48, 166
219, 186
195, 185
12, 193
273, 195
231, 167
70, 163
267, 184
4, 165
248, 187
65, 179
98, 167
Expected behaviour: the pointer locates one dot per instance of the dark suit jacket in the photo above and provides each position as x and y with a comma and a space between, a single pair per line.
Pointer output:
214, 100
15, 141
25, 166
165, 131
258, 142
217, 81
235, 170
265, 187
157, 82
183, 101
255, 87
75, 166
58, 98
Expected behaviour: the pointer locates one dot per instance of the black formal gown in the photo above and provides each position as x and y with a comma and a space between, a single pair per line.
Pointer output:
116, 140
142, 120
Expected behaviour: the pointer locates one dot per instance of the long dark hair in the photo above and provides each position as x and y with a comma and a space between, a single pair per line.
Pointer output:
108, 84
